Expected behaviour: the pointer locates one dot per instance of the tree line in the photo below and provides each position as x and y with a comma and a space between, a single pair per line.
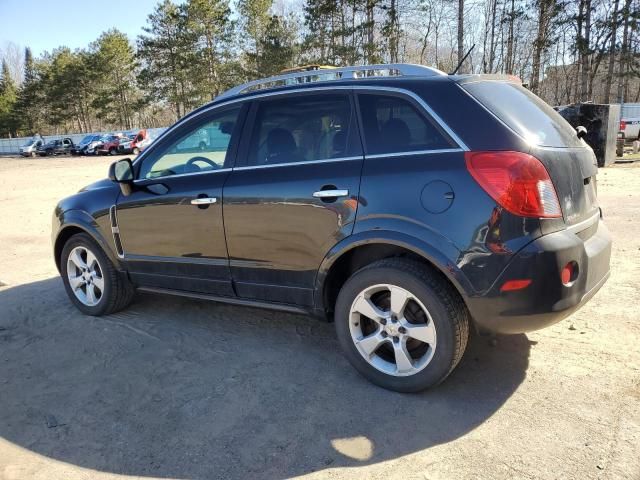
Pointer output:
189, 52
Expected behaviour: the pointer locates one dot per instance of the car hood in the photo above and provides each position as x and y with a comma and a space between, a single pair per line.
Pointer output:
104, 183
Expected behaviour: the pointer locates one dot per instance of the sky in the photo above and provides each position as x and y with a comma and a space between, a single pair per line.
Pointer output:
46, 24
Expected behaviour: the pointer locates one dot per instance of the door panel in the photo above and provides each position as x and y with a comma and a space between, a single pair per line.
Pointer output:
170, 243
171, 225
277, 231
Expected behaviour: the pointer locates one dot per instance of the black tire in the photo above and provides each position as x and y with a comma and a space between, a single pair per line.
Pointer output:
448, 312
118, 290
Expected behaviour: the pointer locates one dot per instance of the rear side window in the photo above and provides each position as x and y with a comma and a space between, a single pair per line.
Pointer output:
525, 113
301, 128
392, 124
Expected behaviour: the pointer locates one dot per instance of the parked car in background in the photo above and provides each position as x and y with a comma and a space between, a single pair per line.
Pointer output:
85, 144
108, 144
30, 148
56, 147
149, 138
129, 145
631, 128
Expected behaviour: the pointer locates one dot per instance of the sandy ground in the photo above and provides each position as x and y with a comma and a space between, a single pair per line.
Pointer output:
174, 388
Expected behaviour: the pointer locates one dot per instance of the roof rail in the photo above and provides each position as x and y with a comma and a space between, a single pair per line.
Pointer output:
329, 74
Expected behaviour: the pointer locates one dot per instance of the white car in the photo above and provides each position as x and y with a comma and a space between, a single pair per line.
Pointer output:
29, 148
631, 128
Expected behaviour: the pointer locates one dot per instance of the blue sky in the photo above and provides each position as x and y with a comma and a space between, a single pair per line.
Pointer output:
47, 24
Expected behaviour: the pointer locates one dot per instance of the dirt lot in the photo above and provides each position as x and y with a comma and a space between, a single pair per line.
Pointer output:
175, 388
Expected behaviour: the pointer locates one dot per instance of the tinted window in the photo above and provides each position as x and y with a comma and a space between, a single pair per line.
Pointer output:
204, 147
298, 129
393, 124
525, 113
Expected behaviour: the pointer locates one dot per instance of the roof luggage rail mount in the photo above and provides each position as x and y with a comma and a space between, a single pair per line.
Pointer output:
326, 75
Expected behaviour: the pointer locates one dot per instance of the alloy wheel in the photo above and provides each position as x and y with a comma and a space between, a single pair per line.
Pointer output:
392, 330
85, 276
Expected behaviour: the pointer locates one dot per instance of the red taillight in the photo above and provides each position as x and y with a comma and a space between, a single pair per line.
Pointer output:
623, 125
569, 273
511, 285
517, 181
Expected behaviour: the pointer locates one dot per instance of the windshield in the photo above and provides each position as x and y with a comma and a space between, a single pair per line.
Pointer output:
525, 113
86, 140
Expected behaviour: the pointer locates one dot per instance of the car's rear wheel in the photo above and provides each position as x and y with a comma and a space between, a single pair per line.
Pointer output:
112, 151
90, 279
401, 325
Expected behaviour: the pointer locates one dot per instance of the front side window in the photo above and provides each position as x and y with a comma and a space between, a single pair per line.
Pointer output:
204, 147
392, 124
301, 128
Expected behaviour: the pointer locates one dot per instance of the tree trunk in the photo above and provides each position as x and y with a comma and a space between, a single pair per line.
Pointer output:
460, 32
623, 51
612, 52
584, 46
539, 43
492, 45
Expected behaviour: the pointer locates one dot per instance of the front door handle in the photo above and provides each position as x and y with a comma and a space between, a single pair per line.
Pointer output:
204, 201
331, 193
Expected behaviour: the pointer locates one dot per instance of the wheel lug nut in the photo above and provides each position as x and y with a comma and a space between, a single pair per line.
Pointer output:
396, 339
402, 330
384, 334
383, 321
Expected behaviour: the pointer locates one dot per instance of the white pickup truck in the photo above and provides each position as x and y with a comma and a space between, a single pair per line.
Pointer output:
631, 128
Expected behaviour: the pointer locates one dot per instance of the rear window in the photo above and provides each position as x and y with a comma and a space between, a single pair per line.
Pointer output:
391, 124
525, 113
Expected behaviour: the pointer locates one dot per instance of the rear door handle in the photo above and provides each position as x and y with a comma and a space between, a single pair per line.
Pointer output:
204, 201
331, 193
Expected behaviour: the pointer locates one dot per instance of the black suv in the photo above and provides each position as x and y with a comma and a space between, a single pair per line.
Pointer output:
56, 147
403, 203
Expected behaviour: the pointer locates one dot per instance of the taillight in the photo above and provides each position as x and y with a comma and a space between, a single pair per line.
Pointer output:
623, 125
517, 181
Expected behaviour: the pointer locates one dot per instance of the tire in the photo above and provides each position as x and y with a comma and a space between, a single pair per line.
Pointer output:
33, 154
116, 292
429, 295
112, 151
135, 151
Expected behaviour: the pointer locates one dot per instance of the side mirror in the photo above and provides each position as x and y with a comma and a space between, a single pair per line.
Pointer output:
122, 173
581, 132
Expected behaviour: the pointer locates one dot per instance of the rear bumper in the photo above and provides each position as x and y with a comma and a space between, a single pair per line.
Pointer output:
546, 300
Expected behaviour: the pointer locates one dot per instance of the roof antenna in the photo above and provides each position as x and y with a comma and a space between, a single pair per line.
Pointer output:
463, 59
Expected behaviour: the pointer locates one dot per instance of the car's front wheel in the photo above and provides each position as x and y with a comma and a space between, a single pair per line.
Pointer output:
90, 279
401, 325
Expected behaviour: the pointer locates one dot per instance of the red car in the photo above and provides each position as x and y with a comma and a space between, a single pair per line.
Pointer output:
109, 145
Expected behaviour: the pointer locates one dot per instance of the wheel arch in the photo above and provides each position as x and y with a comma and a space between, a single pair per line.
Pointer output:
74, 222
359, 250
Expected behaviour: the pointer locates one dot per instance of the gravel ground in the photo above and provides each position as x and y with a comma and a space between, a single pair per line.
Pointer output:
175, 388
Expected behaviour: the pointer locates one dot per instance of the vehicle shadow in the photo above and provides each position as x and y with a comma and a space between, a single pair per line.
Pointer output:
187, 389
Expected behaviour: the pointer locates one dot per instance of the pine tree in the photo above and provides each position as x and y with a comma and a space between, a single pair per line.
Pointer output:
278, 48
211, 31
113, 64
255, 19
29, 100
8, 98
167, 58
